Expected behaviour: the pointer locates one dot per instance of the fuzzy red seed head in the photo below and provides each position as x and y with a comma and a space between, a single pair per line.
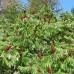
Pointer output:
21, 18
22, 35
40, 55
70, 52
25, 17
15, 32
8, 47
4, 30
34, 12
41, 20
31, 64
21, 52
44, 19
49, 70
36, 27
62, 47
49, 20
38, 70
52, 48
36, 36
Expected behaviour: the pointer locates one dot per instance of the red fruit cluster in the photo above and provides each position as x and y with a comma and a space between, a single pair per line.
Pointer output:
15, 32
34, 12
49, 70
36, 27
45, 19
35, 36
8, 47
4, 30
70, 52
31, 64
21, 52
22, 35
62, 47
23, 17
40, 55
52, 48
41, 20
49, 20
38, 70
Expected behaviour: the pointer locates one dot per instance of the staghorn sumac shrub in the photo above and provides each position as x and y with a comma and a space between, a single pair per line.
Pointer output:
39, 43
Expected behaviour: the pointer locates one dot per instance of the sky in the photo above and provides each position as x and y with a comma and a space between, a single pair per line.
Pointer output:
66, 4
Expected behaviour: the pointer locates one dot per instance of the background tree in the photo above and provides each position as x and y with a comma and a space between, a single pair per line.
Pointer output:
53, 3
11, 9
34, 4
72, 11
8, 4
0, 7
